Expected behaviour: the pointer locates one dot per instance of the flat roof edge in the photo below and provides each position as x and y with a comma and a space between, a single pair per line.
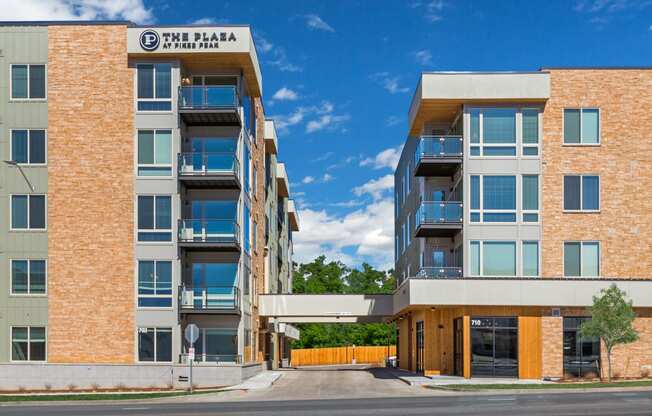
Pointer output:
66, 22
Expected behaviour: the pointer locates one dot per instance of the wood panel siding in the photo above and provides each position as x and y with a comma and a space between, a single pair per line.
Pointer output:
342, 355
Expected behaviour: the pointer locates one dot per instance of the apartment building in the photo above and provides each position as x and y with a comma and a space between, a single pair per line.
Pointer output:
142, 192
519, 195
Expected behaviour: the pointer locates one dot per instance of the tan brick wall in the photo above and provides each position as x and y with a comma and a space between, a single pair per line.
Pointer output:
90, 199
258, 215
552, 358
635, 359
623, 160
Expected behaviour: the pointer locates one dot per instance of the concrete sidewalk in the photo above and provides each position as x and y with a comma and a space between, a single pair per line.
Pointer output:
259, 381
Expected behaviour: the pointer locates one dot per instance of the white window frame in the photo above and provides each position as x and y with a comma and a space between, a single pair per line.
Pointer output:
581, 110
404, 239
29, 278
170, 296
581, 192
29, 144
481, 144
154, 230
28, 229
154, 99
538, 243
482, 243
519, 202
581, 243
11, 87
155, 328
482, 211
408, 230
539, 133
155, 165
29, 343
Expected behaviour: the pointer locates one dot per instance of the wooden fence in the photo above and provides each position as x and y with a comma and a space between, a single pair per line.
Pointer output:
341, 355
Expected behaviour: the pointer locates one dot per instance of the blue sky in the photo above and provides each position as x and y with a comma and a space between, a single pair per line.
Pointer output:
338, 77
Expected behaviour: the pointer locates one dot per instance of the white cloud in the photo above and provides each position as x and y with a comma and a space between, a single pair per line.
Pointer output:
308, 179
348, 204
393, 120
315, 22
285, 94
277, 55
433, 11
388, 82
323, 117
133, 10
204, 21
327, 178
325, 156
366, 232
423, 57
375, 187
388, 158
602, 12
327, 121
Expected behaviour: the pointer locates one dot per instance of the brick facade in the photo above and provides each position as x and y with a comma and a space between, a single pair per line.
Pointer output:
552, 359
90, 200
622, 160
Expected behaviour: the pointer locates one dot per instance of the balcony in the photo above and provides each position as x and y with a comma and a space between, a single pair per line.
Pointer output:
209, 169
271, 142
212, 358
293, 217
209, 105
435, 272
438, 155
209, 299
439, 219
209, 234
282, 183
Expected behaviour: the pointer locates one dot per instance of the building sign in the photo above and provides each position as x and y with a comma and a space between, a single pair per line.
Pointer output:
173, 40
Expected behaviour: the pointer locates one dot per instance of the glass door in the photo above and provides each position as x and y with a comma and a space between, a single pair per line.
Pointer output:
494, 346
458, 347
581, 355
420, 347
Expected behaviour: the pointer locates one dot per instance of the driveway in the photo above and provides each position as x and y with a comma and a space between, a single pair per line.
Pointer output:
331, 382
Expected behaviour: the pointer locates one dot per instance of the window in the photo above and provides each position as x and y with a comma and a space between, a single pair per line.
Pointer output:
247, 167
530, 258
155, 344
154, 87
28, 146
28, 82
530, 132
493, 132
407, 179
582, 258
246, 110
495, 201
409, 230
154, 152
582, 126
28, 343
581, 354
154, 218
404, 238
154, 284
582, 193
28, 277
28, 212
530, 198
247, 229
493, 258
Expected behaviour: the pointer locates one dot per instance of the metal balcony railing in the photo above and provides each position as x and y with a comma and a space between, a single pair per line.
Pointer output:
435, 272
212, 358
207, 164
201, 298
439, 212
199, 97
209, 231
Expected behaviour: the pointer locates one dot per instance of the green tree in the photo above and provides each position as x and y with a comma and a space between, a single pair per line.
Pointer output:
612, 316
319, 277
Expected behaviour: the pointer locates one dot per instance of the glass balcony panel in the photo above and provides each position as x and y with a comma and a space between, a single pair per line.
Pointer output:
209, 231
439, 212
439, 147
207, 97
448, 272
208, 163
209, 297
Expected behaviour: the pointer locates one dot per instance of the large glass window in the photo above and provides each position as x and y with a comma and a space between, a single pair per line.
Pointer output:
28, 82
582, 126
154, 284
154, 153
247, 167
154, 87
28, 212
530, 258
28, 146
582, 258
247, 229
155, 344
154, 218
497, 137
530, 132
494, 346
496, 201
493, 258
581, 355
28, 277
28, 343
581, 193
217, 344
530, 198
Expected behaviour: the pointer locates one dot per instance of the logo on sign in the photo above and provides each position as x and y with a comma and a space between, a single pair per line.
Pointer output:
149, 40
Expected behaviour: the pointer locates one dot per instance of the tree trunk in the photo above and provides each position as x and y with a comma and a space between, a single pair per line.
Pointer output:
609, 363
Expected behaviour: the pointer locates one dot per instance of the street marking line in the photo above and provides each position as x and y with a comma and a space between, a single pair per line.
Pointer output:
136, 408
502, 399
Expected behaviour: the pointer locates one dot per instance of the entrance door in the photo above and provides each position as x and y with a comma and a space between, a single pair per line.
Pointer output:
458, 348
494, 346
581, 354
420, 343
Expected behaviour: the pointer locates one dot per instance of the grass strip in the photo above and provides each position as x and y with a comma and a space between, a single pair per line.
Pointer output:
96, 396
